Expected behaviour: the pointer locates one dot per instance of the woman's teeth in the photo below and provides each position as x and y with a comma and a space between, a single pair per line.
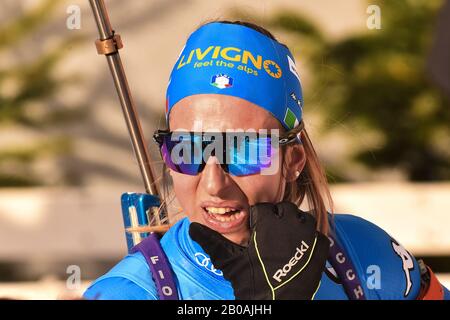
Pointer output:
232, 217
219, 210
225, 214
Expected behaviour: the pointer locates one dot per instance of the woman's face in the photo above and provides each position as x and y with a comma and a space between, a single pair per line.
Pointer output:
206, 196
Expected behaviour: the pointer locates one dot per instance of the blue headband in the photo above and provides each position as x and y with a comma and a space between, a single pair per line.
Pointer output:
235, 60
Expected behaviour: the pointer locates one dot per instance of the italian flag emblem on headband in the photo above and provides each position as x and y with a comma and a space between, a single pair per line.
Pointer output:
290, 119
222, 81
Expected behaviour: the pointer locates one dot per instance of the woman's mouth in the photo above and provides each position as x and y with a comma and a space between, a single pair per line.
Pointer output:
224, 219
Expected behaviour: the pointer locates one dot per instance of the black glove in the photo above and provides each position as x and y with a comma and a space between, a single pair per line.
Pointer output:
284, 259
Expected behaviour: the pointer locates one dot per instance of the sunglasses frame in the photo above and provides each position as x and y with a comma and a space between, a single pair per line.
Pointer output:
289, 137
292, 135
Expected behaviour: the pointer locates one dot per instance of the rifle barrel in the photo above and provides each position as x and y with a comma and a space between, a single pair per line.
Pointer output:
106, 32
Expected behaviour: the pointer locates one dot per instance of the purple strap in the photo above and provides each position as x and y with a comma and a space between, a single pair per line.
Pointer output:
345, 271
159, 267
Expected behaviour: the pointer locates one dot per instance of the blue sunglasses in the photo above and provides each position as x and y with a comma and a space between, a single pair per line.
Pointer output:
238, 153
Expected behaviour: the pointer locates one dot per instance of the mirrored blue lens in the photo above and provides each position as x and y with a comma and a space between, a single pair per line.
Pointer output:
185, 153
250, 156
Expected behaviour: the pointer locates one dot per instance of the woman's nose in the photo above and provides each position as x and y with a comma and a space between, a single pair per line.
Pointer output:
213, 178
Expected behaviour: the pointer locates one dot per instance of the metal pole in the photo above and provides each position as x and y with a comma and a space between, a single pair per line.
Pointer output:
108, 44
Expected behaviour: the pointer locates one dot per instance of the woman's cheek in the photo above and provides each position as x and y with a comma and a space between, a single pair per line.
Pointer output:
185, 191
259, 188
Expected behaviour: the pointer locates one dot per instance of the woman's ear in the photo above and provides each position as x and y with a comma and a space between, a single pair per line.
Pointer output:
294, 162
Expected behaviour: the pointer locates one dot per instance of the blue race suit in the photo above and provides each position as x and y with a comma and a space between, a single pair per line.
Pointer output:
385, 269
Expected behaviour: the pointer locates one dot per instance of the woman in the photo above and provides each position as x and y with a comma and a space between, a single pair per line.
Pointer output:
244, 236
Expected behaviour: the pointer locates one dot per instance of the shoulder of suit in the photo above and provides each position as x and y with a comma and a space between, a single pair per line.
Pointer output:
385, 268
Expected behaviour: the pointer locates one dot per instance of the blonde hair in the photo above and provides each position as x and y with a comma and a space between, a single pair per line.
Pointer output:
311, 186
